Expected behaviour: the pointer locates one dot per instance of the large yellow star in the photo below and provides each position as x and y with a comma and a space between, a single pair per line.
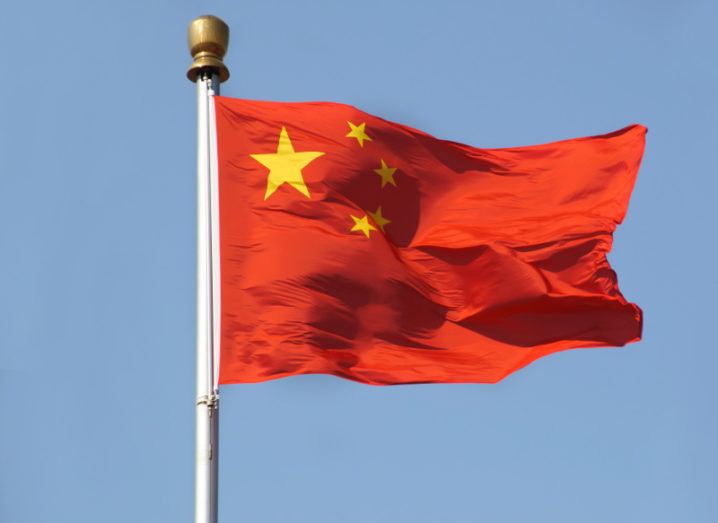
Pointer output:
285, 166
378, 218
363, 225
386, 173
358, 132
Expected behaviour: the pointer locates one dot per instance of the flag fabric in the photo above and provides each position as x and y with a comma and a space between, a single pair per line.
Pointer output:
358, 247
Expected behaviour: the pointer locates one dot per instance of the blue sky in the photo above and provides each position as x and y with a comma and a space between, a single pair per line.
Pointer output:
97, 210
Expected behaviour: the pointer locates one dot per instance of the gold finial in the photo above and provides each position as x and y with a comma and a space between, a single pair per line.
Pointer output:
208, 37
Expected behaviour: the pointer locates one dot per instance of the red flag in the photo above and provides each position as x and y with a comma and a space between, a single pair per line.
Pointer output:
362, 248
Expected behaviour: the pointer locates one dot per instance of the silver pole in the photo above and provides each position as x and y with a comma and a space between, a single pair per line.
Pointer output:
207, 404
208, 39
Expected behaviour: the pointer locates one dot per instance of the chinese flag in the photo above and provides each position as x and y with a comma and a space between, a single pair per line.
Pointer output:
358, 247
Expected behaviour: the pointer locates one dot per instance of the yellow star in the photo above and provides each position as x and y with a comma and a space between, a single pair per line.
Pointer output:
363, 225
386, 173
378, 218
358, 132
285, 166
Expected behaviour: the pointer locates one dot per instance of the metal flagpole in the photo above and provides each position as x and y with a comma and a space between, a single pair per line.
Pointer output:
208, 39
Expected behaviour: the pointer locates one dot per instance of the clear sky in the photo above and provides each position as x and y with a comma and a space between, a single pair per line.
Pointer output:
97, 281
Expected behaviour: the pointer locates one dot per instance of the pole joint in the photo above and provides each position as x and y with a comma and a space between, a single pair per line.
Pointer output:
211, 400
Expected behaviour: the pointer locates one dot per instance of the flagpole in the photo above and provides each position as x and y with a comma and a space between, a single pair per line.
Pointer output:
208, 37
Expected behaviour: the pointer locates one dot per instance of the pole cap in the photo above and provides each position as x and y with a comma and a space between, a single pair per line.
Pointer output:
208, 38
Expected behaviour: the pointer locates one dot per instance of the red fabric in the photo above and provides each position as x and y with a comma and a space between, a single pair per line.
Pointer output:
493, 257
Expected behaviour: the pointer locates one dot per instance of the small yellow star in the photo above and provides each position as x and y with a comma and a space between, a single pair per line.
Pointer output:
363, 225
386, 173
285, 166
358, 132
378, 218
